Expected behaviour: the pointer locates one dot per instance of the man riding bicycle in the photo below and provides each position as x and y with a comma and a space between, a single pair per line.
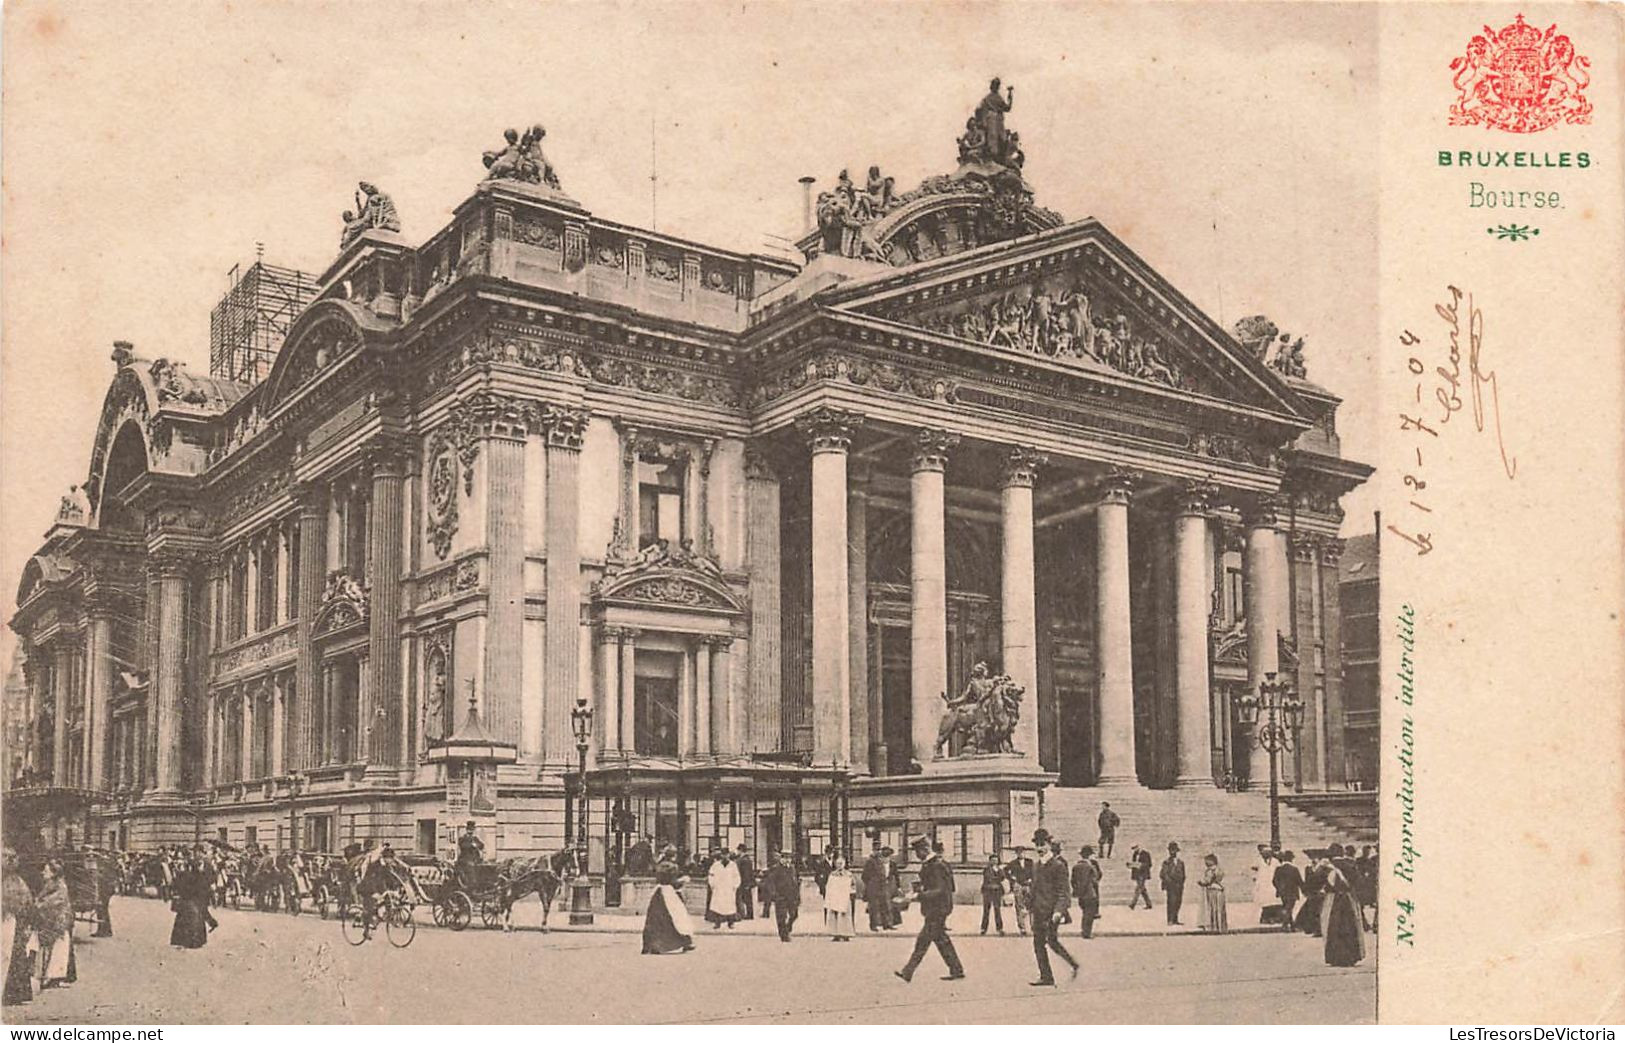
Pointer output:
378, 872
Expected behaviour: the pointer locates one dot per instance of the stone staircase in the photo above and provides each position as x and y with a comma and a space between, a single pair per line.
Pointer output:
1204, 820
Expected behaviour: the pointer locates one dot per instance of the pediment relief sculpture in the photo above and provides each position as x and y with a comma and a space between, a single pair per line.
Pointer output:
666, 573
344, 603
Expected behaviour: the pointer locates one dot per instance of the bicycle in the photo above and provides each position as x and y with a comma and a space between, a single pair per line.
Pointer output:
393, 910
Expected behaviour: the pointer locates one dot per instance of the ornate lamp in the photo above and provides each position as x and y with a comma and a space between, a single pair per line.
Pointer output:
1275, 714
580, 886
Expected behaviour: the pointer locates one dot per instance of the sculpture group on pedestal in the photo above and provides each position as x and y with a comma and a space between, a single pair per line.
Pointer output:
373, 209
1258, 335
521, 159
983, 717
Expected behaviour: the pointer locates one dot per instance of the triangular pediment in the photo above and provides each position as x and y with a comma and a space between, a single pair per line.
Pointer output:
1077, 298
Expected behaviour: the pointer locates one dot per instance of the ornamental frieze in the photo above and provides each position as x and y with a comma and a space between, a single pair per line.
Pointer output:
245, 656
885, 376
663, 380
453, 579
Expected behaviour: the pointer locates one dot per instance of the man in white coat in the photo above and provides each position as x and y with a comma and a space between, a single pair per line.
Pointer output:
722, 906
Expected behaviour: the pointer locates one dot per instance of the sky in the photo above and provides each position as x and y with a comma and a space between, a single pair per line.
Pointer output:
148, 147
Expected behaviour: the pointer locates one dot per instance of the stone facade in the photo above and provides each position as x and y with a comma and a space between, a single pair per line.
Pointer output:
762, 517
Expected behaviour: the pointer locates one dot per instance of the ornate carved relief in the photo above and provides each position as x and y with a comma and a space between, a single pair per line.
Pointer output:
852, 369
343, 605
436, 722
247, 655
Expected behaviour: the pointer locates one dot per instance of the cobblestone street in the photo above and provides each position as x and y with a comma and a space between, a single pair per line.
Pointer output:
273, 968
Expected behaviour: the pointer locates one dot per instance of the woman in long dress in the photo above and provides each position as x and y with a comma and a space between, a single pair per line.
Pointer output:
722, 898
190, 900
17, 903
1345, 938
1308, 920
838, 899
666, 926
1214, 918
55, 925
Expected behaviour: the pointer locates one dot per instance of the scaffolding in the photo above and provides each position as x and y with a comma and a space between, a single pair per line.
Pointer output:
247, 327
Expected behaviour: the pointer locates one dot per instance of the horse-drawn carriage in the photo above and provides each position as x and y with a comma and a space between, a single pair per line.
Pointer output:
456, 892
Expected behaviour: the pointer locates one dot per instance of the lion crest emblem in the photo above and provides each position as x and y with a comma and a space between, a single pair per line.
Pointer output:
1521, 80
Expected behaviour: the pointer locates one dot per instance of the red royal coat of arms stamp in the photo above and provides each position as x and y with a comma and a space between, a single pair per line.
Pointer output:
1520, 80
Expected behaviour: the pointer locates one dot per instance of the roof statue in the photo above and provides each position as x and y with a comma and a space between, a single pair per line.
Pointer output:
878, 223
373, 209
521, 159
1258, 335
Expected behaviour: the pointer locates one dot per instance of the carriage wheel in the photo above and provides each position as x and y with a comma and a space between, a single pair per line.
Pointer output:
399, 926
353, 921
453, 910
492, 912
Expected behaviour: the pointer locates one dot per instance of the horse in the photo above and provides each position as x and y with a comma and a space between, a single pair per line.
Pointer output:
519, 877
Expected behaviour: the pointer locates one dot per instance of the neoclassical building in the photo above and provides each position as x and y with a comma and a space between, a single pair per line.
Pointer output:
760, 517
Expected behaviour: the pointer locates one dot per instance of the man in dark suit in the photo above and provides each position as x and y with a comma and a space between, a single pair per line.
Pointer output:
1108, 822
781, 888
1139, 871
1049, 905
747, 884
1173, 881
993, 892
1019, 871
875, 898
1288, 883
1086, 889
935, 890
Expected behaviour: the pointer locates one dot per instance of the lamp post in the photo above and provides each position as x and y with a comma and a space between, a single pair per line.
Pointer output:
121, 799
1275, 714
296, 782
580, 886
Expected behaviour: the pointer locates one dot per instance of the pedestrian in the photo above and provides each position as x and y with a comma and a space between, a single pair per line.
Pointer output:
1288, 886
54, 923
875, 899
1215, 919
893, 887
1139, 871
747, 884
838, 899
993, 892
1345, 934
470, 848
819, 866
1264, 886
781, 888
1314, 894
17, 910
1086, 889
666, 924
1108, 822
1365, 888
722, 891
1172, 877
190, 902
1344, 862
1019, 871
935, 890
1049, 908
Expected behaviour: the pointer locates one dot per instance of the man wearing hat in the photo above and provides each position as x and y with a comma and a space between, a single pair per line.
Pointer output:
470, 848
936, 893
1173, 881
1049, 904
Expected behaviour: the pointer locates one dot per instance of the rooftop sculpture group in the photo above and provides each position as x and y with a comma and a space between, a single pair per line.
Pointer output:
522, 159
373, 209
1258, 335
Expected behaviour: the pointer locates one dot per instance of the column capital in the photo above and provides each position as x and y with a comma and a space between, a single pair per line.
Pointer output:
761, 464
1116, 486
1021, 466
1196, 497
1303, 546
829, 430
1331, 550
931, 448
565, 427
1263, 512
614, 634
719, 642
311, 497
172, 564
385, 458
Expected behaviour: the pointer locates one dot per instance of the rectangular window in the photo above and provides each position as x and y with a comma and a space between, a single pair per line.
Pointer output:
660, 502
655, 696
222, 835
251, 836
237, 618
291, 609
1237, 599
427, 828
319, 833
265, 572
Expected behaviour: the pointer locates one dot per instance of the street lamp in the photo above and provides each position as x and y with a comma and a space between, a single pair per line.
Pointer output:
580, 887
296, 782
1282, 716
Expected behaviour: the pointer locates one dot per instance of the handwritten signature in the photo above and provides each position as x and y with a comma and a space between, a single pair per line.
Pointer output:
1448, 395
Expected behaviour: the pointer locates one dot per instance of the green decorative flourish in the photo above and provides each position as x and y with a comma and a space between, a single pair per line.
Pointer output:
1513, 233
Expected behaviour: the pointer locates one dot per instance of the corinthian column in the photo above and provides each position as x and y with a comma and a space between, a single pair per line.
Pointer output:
1114, 654
1265, 572
61, 695
829, 435
381, 721
169, 685
928, 613
99, 660
504, 446
1191, 603
565, 428
302, 749
1017, 598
